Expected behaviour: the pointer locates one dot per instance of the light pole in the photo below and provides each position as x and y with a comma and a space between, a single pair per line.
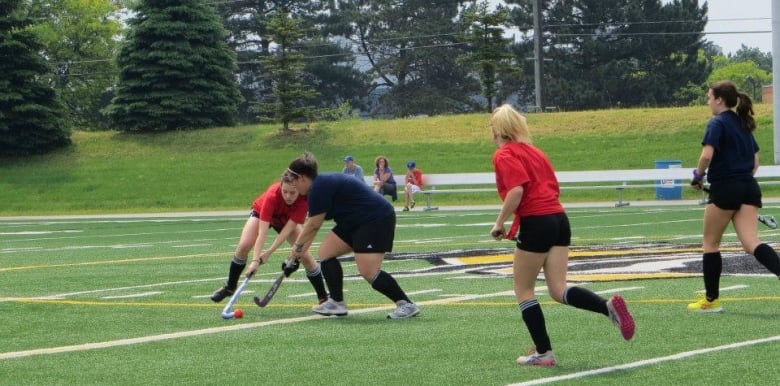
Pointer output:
538, 60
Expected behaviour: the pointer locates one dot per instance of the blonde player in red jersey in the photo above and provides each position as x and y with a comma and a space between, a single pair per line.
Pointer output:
527, 185
280, 207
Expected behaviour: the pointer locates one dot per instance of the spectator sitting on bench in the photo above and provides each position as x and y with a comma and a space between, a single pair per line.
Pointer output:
351, 168
384, 183
413, 184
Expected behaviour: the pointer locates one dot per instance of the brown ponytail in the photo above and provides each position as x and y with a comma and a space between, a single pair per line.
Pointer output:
745, 111
727, 91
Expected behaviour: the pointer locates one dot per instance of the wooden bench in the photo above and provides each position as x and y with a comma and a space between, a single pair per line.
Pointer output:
619, 180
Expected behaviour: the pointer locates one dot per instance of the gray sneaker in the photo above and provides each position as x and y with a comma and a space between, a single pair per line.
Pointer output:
535, 359
331, 307
403, 310
768, 221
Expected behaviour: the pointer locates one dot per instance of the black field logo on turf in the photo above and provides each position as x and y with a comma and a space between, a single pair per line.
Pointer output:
606, 263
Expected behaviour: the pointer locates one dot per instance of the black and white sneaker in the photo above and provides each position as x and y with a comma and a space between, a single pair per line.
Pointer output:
222, 293
768, 221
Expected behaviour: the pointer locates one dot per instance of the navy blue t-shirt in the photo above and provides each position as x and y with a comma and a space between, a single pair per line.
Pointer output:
735, 147
346, 200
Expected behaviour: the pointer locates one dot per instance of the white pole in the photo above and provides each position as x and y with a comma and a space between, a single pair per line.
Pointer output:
538, 61
776, 77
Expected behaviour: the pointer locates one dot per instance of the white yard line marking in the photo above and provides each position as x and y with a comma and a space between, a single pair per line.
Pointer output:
303, 295
309, 294
31, 233
647, 362
209, 295
59, 296
738, 286
424, 291
141, 295
213, 330
613, 290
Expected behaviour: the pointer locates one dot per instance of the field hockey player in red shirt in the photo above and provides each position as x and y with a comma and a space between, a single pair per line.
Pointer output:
280, 207
527, 185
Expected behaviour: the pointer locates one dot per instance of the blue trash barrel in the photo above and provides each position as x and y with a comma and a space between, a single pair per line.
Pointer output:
668, 189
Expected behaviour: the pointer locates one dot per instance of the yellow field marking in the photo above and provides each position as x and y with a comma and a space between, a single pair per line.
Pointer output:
507, 258
214, 330
592, 277
471, 260
628, 276
135, 260
105, 303
358, 306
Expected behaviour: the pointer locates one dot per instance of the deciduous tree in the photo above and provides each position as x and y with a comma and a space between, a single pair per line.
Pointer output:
80, 39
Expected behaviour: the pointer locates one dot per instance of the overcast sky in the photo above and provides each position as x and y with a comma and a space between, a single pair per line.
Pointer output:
731, 20
735, 22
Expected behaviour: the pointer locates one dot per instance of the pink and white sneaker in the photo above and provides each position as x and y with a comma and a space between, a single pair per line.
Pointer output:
620, 316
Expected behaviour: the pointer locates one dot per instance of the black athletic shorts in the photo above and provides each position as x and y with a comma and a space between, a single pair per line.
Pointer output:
730, 195
374, 237
540, 233
253, 213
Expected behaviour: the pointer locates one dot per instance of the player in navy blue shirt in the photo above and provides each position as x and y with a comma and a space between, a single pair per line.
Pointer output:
729, 159
365, 225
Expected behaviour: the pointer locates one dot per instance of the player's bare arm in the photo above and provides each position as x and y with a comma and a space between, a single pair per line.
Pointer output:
511, 202
309, 232
261, 256
262, 235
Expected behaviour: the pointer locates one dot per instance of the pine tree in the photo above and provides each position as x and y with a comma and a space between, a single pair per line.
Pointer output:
31, 115
176, 70
291, 96
488, 49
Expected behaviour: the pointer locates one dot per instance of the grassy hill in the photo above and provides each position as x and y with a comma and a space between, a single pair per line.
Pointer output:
225, 168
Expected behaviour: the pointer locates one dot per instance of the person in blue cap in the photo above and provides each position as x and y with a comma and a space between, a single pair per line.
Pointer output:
352, 169
414, 183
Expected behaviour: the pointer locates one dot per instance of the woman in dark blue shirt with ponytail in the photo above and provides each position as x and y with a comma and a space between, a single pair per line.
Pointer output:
729, 159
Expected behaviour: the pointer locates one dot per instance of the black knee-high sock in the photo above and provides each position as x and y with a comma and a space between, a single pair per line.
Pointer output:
585, 299
712, 266
236, 267
386, 285
534, 321
334, 277
768, 257
315, 278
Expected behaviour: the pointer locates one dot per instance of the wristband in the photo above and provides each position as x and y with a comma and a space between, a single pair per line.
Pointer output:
698, 177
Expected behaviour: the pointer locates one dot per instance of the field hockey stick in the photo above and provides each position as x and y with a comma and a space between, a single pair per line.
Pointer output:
226, 312
275, 286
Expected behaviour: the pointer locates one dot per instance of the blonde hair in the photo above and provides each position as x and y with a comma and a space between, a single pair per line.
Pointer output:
509, 125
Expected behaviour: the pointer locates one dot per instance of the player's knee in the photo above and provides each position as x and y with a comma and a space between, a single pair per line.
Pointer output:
557, 296
308, 261
369, 276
